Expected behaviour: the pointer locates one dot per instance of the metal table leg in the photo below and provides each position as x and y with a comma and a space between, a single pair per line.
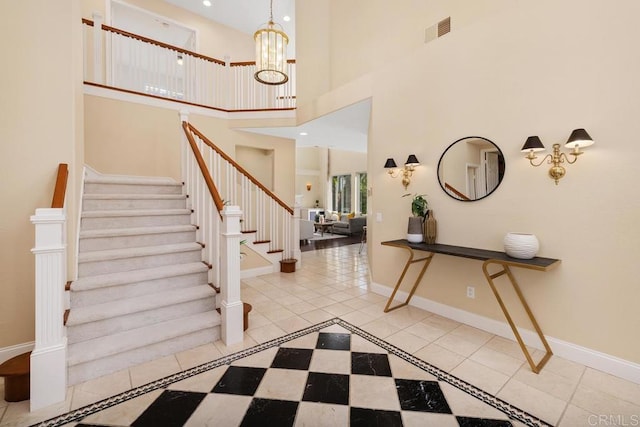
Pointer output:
427, 261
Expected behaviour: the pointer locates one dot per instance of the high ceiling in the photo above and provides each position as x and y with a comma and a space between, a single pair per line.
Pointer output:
345, 129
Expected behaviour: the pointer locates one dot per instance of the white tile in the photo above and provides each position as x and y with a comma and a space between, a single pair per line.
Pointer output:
368, 391
124, 413
197, 356
380, 328
617, 387
574, 416
100, 388
405, 370
357, 318
421, 419
228, 349
317, 316
497, 361
464, 404
265, 333
481, 376
219, 410
154, 370
17, 414
282, 384
599, 402
305, 341
293, 324
331, 361
534, 401
439, 357
201, 383
362, 345
427, 332
406, 341
312, 414
261, 359
548, 382
458, 345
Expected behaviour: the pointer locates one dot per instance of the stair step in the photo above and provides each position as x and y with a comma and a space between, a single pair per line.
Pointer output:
85, 323
119, 260
130, 284
133, 218
131, 185
115, 238
96, 202
104, 355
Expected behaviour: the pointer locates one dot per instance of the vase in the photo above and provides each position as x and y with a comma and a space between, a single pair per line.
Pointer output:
414, 230
521, 245
430, 228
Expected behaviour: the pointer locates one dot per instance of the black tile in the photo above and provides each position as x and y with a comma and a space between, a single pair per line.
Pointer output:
482, 422
276, 413
334, 341
292, 358
240, 380
171, 408
327, 388
360, 417
424, 396
370, 364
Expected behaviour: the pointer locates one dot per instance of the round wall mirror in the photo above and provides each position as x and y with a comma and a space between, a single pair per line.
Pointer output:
471, 168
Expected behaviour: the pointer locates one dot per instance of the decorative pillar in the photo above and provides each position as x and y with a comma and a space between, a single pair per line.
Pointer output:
231, 307
49, 356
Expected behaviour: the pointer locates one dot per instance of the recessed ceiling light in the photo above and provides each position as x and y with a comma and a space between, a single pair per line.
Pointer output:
303, 134
286, 18
206, 3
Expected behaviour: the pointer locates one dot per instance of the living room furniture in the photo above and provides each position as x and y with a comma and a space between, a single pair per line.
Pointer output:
348, 225
490, 258
306, 229
324, 226
310, 213
16, 373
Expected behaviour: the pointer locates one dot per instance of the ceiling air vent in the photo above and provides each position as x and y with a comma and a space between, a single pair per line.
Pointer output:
438, 30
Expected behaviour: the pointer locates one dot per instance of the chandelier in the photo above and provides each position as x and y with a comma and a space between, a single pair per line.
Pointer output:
271, 53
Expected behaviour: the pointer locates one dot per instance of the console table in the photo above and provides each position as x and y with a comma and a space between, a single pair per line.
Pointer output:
490, 258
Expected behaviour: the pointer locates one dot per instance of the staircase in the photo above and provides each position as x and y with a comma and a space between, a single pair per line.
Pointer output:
142, 290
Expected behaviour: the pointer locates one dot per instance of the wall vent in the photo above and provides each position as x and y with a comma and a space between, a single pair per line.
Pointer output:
438, 30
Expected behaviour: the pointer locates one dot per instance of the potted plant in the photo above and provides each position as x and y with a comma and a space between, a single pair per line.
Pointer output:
419, 209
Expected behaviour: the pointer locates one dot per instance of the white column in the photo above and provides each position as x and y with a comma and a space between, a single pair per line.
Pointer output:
98, 65
231, 306
49, 356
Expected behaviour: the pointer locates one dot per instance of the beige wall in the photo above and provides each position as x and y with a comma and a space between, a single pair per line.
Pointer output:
311, 167
40, 127
213, 39
503, 77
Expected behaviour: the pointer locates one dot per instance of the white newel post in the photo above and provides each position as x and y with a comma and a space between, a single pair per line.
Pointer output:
49, 356
295, 234
231, 307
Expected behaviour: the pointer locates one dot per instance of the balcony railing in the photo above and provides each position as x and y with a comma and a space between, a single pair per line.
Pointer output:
118, 59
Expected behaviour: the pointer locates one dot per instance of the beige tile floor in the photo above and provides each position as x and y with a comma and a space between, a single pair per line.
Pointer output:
333, 283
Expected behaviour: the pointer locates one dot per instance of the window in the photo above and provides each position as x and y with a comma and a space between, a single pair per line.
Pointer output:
341, 193
361, 195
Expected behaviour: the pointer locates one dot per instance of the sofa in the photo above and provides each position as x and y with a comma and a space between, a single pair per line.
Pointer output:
349, 226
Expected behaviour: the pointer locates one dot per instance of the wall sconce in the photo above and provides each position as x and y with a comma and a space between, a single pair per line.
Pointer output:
578, 139
308, 186
406, 171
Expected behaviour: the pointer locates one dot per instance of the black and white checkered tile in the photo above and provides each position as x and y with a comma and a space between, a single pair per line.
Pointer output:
331, 374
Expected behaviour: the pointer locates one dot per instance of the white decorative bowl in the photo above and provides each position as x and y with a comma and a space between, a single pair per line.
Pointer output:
521, 245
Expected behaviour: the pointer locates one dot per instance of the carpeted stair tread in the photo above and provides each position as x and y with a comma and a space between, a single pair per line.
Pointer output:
135, 180
134, 276
113, 309
133, 196
134, 231
102, 347
113, 254
134, 212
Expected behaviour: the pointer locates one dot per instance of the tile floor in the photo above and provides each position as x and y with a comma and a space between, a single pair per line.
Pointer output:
333, 283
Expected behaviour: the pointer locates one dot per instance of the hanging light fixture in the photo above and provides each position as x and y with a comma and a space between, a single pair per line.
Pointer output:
271, 53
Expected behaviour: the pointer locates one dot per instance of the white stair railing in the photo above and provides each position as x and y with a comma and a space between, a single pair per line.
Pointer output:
262, 211
133, 63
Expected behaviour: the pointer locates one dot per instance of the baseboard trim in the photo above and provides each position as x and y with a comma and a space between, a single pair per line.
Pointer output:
254, 272
592, 358
7, 353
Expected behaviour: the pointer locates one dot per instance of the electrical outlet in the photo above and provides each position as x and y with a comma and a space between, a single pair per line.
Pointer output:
471, 292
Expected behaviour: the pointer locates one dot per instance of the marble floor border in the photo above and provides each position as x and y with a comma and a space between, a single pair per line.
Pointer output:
511, 411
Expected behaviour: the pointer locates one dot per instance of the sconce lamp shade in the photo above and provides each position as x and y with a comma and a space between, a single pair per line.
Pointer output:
412, 161
532, 143
390, 164
579, 138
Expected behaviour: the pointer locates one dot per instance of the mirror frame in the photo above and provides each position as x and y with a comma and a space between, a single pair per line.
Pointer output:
500, 178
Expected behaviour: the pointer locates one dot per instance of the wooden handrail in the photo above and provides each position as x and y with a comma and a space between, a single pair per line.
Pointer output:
456, 192
245, 63
238, 167
217, 200
154, 42
61, 186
